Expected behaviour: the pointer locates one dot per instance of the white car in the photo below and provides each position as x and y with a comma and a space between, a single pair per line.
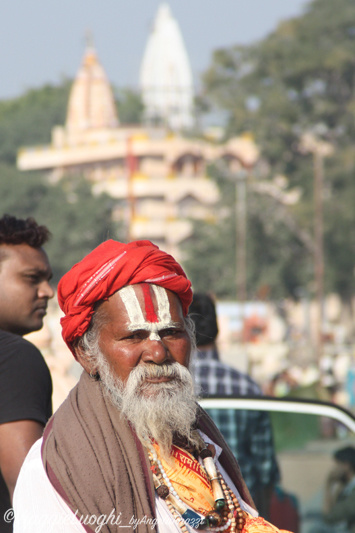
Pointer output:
306, 434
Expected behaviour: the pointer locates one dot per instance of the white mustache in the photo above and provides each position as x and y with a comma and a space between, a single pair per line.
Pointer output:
151, 371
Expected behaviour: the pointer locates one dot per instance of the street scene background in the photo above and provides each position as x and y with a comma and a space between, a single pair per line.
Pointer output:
265, 224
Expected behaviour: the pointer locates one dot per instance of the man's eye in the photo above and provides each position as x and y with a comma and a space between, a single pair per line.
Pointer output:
33, 279
138, 335
170, 331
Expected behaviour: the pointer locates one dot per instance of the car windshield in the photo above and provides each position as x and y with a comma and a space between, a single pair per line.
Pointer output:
304, 446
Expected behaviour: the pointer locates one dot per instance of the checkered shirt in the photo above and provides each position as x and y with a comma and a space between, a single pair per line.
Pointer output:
248, 433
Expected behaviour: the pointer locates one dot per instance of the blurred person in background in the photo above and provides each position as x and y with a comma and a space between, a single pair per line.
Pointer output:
248, 433
339, 497
25, 381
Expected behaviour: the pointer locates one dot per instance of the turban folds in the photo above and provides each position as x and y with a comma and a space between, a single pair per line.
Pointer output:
108, 268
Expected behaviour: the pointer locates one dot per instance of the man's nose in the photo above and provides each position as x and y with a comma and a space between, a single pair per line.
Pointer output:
45, 290
155, 351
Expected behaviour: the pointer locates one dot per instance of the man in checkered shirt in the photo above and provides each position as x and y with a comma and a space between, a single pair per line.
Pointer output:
248, 433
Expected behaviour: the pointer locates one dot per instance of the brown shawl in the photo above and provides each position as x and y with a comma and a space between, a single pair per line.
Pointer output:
95, 462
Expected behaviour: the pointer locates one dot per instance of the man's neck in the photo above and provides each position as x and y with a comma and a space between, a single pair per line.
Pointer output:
7, 330
210, 346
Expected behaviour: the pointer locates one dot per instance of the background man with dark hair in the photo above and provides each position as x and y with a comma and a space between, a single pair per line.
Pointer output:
25, 382
248, 433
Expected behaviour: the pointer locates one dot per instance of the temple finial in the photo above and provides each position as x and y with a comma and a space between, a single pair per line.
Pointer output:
89, 39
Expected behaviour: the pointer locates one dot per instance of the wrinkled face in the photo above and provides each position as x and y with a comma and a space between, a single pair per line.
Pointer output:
24, 288
144, 324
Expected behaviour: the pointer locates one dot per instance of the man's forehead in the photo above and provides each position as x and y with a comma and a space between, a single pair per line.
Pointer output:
24, 257
146, 302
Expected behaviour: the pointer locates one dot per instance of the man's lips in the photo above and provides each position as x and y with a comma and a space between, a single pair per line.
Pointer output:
42, 309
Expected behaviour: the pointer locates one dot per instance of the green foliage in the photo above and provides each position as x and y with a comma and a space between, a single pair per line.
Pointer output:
299, 79
339, 225
77, 220
277, 262
129, 106
209, 261
28, 120
301, 75
293, 431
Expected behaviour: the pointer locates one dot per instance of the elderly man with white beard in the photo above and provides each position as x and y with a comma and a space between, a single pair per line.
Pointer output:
130, 447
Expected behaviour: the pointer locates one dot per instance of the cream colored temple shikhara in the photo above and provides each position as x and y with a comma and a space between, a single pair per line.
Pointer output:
156, 175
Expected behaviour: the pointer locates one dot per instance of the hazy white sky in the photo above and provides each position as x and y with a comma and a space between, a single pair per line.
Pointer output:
43, 40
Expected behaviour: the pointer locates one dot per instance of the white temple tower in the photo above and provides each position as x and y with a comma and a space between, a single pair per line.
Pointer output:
166, 77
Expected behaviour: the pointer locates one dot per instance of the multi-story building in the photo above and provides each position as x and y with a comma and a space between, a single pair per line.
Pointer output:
158, 178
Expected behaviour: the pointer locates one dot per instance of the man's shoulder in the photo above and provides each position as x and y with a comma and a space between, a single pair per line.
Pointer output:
11, 341
25, 381
15, 350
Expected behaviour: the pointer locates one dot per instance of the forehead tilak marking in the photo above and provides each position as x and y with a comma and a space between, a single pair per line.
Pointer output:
150, 312
162, 303
133, 308
135, 313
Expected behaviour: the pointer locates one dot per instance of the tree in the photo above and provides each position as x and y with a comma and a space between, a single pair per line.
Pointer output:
77, 220
277, 264
301, 75
300, 78
129, 106
29, 119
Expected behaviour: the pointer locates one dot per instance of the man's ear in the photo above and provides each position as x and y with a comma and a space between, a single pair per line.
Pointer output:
85, 361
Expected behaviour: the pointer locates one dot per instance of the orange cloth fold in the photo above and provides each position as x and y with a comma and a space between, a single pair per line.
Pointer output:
260, 525
188, 479
193, 487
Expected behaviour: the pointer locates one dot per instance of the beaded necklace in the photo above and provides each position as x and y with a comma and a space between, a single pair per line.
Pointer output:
227, 515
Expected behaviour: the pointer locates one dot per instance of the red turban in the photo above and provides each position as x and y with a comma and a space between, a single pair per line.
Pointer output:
108, 268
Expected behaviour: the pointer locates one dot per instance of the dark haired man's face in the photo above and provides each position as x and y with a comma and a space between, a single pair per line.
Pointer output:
24, 288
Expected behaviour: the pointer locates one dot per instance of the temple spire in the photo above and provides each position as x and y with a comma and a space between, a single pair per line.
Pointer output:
91, 102
166, 77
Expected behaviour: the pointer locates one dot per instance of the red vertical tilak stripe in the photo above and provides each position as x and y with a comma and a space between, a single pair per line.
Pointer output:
148, 302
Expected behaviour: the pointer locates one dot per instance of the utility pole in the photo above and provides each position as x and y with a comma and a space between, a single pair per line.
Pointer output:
319, 149
318, 248
237, 169
241, 235
131, 165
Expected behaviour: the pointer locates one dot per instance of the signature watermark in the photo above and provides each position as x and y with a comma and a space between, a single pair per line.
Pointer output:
113, 519
9, 516
87, 520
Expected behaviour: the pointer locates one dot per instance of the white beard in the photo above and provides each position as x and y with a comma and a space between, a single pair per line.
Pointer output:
155, 410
